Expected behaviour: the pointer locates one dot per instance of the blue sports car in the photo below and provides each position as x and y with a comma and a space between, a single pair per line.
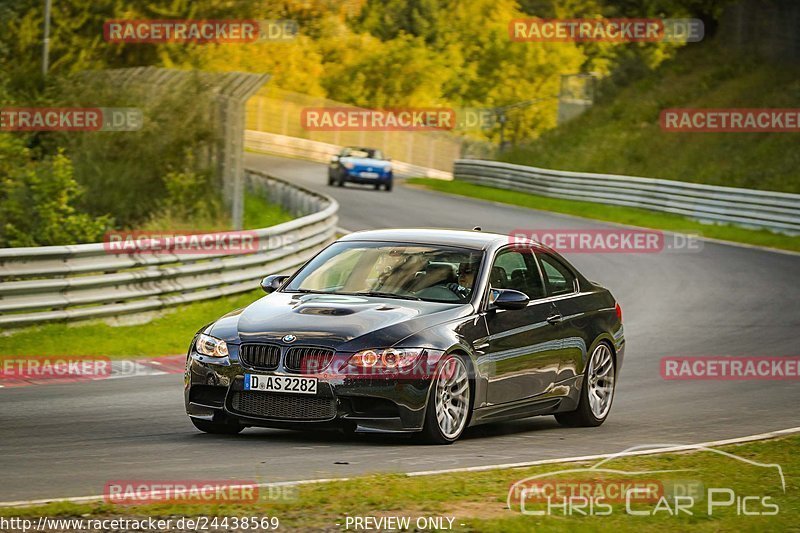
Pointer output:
361, 165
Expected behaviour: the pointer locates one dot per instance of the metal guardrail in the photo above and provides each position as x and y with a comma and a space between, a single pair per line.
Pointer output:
774, 211
85, 281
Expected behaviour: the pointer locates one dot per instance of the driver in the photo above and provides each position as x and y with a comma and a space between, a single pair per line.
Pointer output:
466, 278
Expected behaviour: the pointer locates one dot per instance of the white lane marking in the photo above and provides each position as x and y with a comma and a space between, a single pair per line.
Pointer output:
669, 449
686, 447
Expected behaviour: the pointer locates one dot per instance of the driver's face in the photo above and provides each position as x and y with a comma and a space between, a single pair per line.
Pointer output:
465, 279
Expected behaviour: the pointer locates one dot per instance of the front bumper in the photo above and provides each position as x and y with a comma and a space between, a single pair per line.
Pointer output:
355, 176
214, 390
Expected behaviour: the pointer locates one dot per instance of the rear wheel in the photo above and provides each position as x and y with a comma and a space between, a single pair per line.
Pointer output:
217, 428
449, 403
597, 391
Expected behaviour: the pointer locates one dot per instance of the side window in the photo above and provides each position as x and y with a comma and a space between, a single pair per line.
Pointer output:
558, 278
516, 269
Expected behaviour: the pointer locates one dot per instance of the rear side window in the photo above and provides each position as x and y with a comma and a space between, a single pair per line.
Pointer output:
557, 277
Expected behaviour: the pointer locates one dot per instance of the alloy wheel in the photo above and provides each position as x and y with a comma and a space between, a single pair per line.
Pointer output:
601, 381
452, 397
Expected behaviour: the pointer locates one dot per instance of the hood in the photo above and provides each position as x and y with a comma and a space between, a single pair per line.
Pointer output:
341, 322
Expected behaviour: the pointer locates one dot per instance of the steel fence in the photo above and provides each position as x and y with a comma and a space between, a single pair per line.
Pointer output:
322, 152
774, 211
86, 281
278, 111
226, 94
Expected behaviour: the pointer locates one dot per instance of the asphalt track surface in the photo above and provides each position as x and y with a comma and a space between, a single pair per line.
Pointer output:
70, 440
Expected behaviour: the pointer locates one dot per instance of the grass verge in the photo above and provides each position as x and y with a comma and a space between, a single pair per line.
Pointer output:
477, 500
611, 213
258, 213
165, 335
622, 134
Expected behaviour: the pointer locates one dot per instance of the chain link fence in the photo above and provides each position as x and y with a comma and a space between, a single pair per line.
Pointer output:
278, 111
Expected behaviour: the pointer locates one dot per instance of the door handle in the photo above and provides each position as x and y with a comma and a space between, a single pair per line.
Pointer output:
554, 319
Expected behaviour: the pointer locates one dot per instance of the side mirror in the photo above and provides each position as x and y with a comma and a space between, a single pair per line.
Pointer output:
270, 284
335, 159
510, 299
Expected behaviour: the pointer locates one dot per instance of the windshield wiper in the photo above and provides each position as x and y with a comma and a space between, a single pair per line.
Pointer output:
309, 291
383, 295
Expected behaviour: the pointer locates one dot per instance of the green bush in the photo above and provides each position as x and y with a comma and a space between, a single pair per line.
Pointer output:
128, 173
37, 200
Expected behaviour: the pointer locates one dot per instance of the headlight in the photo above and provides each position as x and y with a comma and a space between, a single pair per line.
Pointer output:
211, 346
388, 358
348, 165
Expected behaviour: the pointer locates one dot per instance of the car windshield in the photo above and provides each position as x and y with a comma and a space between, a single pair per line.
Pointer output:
368, 153
393, 270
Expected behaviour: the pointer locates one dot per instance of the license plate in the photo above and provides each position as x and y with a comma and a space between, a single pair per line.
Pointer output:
289, 384
369, 174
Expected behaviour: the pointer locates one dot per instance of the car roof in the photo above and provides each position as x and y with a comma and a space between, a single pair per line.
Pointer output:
479, 240
363, 148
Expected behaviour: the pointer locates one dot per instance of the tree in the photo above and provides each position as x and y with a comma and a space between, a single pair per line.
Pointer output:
37, 200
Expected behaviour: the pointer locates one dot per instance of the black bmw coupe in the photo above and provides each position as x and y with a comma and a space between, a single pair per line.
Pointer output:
412, 331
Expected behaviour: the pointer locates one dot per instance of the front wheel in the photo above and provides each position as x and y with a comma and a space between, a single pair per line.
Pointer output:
597, 391
217, 428
388, 186
448, 408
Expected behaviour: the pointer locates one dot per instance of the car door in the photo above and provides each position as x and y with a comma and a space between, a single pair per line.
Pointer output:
562, 289
521, 356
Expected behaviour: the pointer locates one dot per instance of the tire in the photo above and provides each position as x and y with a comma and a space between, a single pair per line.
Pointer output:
388, 187
600, 375
340, 180
331, 180
217, 428
377, 186
441, 427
